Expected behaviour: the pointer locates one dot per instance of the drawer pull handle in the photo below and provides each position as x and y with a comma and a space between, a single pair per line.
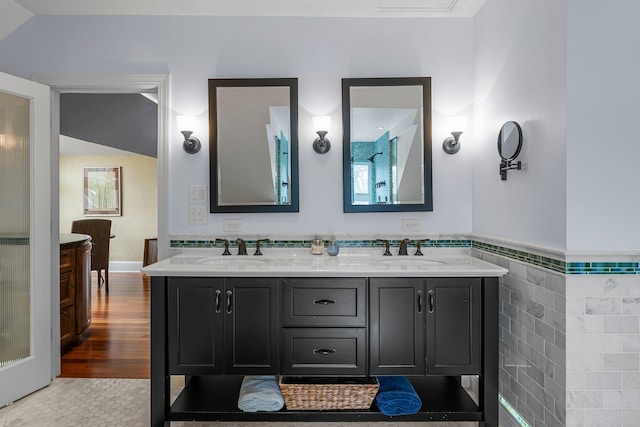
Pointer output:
419, 301
218, 301
324, 301
229, 301
324, 351
431, 301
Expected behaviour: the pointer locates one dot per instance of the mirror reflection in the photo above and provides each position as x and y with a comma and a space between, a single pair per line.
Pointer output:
387, 144
253, 145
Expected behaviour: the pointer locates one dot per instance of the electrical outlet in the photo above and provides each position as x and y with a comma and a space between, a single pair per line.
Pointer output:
411, 225
198, 194
197, 215
232, 225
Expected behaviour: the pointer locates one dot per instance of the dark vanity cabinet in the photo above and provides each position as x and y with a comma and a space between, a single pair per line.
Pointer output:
396, 328
425, 326
324, 327
453, 326
223, 325
214, 330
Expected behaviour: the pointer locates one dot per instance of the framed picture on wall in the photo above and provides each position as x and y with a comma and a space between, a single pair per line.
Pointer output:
102, 191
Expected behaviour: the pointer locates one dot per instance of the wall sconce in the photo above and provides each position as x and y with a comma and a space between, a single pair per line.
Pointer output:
321, 125
191, 144
451, 145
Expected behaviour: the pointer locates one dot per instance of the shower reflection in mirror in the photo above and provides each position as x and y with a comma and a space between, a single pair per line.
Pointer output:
387, 162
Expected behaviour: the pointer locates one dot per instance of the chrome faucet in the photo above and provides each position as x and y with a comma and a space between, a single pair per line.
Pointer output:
403, 247
387, 252
242, 247
226, 246
257, 252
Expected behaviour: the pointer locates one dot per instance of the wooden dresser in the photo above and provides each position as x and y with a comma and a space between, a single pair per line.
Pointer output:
75, 286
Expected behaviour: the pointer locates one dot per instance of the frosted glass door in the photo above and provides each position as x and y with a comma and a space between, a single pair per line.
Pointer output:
14, 229
25, 238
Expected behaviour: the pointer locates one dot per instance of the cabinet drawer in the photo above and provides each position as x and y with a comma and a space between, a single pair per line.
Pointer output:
323, 351
324, 302
67, 289
67, 325
67, 260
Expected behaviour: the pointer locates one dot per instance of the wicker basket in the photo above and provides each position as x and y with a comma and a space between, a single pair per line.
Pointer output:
326, 394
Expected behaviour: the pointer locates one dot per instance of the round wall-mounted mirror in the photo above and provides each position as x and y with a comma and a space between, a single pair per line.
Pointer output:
510, 141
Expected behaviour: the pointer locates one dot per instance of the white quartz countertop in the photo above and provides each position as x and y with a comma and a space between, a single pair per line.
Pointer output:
301, 263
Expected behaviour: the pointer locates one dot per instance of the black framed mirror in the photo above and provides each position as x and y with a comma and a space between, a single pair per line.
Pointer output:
509, 146
253, 145
387, 144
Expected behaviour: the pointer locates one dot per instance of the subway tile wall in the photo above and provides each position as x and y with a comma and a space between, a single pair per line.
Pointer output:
569, 343
532, 341
603, 351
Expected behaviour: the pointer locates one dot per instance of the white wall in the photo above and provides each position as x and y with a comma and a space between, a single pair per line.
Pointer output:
139, 200
603, 95
520, 65
318, 51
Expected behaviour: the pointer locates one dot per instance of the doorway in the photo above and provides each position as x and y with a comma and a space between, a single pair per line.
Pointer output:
118, 84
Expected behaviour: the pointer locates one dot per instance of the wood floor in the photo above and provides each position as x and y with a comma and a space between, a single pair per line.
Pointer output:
117, 343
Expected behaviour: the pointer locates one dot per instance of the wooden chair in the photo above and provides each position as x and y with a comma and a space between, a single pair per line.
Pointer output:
100, 232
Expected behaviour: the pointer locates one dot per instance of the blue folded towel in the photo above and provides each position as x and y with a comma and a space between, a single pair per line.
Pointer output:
260, 393
396, 396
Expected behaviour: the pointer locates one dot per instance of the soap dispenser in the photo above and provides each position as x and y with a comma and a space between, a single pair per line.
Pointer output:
317, 246
333, 247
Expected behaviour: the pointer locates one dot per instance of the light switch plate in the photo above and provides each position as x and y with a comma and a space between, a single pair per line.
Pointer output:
232, 225
411, 225
197, 215
197, 194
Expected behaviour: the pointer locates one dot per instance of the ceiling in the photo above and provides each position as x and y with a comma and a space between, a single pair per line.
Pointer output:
347, 8
14, 13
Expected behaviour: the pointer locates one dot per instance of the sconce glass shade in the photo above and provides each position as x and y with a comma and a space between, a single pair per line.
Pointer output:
458, 124
321, 125
186, 124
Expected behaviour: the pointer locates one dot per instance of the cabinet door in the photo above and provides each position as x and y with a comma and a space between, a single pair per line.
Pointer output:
396, 326
251, 326
195, 328
83, 287
454, 325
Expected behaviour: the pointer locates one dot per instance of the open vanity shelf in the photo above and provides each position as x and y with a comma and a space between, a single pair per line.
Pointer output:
216, 397
215, 330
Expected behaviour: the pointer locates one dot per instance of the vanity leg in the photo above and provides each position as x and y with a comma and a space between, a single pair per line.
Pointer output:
489, 379
160, 380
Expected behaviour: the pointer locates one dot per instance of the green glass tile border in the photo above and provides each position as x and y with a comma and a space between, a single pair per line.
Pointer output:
523, 256
561, 266
538, 260
14, 241
307, 243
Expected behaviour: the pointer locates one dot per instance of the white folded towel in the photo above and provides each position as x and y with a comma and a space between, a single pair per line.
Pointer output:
260, 393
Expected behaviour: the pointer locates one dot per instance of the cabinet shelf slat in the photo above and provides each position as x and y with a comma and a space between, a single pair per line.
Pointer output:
215, 397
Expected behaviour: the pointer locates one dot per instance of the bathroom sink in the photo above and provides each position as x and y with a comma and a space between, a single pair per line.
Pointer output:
415, 262
226, 260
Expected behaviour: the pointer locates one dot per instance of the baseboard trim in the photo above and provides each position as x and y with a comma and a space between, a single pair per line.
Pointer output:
125, 266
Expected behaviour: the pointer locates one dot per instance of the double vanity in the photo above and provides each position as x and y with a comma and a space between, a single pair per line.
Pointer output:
432, 318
